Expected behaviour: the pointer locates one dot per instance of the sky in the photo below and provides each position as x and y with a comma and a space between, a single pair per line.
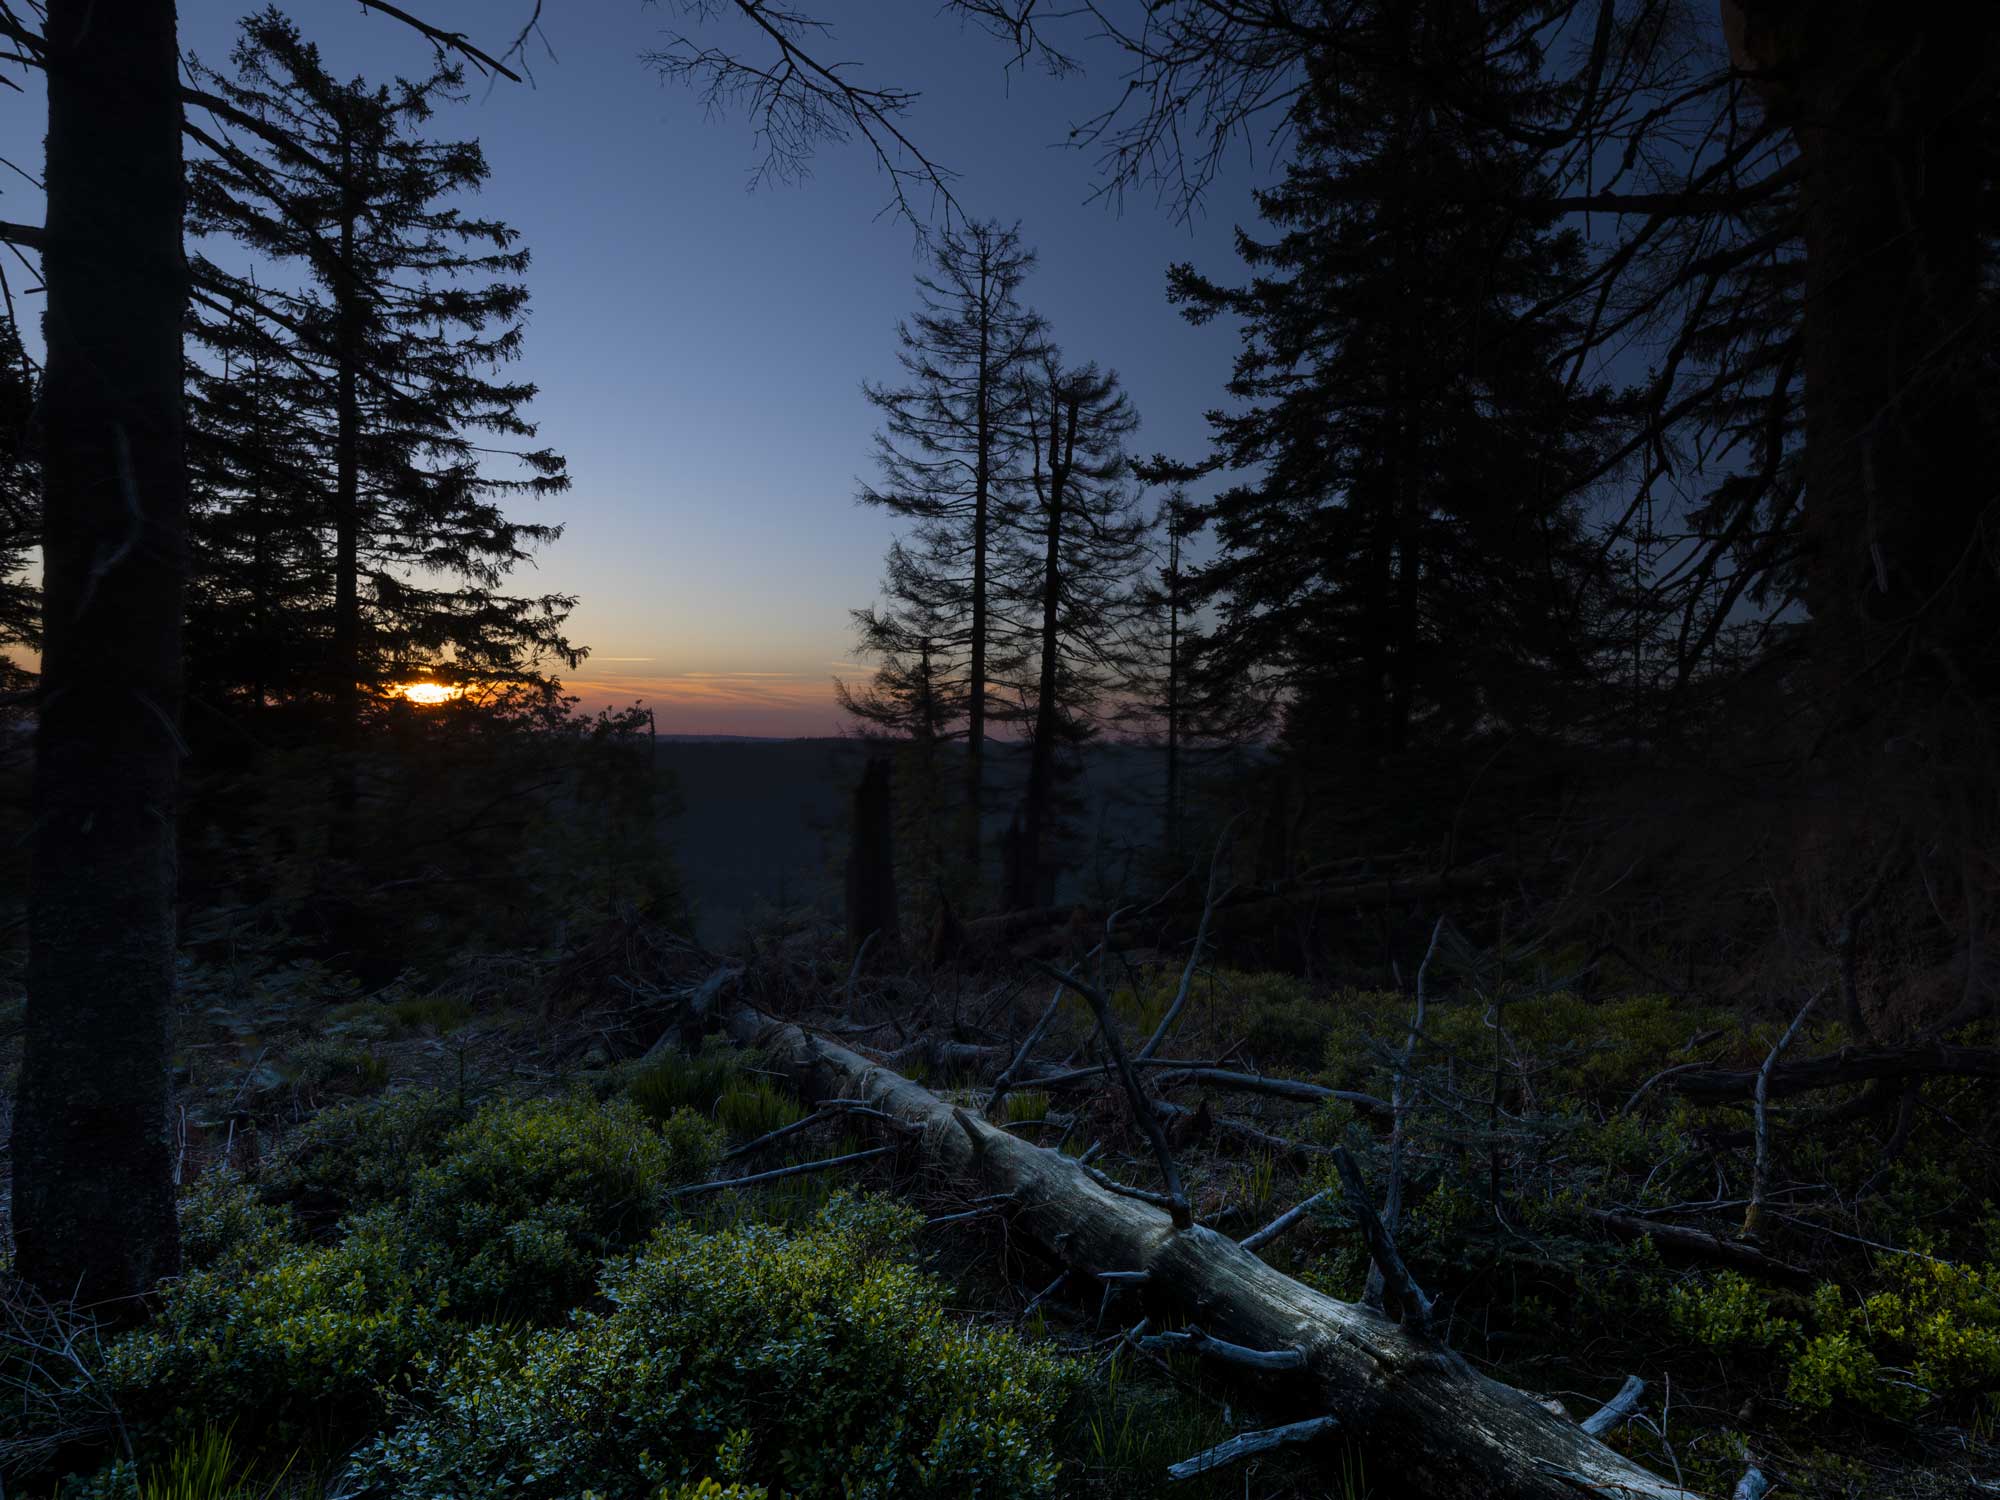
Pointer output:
700, 346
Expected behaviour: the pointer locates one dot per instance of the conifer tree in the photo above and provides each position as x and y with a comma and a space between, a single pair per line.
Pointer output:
1168, 698
1409, 554
260, 586
920, 639
406, 306
949, 452
1075, 552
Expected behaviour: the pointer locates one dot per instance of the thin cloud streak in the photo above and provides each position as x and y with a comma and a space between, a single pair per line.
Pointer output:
718, 702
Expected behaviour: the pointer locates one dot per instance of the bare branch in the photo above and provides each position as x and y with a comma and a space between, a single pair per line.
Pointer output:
1284, 1221
1400, 1292
799, 103
1614, 1411
1249, 1445
1753, 1216
796, 1170
1149, 1123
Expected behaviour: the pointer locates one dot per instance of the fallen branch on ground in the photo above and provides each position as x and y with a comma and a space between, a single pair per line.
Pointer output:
1699, 1244
1197, 1342
1848, 1065
1456, 1433
1295, 1089
1400, 1293
797, 1170
1249, 1444
1142, 1111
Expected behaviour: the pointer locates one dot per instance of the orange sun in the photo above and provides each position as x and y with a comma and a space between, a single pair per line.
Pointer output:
427, 694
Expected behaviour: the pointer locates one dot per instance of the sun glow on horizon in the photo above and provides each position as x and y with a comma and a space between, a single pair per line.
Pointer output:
426, 694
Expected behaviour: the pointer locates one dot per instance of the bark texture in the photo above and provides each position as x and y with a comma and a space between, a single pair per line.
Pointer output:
1455, 1433
93, 1191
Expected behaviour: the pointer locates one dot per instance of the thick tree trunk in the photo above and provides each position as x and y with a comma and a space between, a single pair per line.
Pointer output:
93, 1191
1452, 1431
1885, 105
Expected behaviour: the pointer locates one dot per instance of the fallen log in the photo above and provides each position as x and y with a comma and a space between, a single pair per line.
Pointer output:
1848, 1065
1453, 1431
1688, 1243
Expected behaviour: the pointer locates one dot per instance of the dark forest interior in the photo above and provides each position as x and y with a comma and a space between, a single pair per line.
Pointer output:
1431, 933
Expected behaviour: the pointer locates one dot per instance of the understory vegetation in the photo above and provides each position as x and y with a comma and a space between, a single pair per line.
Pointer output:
473, 1267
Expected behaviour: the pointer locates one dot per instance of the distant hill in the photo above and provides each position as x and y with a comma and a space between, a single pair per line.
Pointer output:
763, 824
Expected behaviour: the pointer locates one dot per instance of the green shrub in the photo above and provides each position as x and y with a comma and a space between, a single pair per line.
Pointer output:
835, 1355
309, 1340
227, 1227
1932, 1333
117, 1480
1567, 1047
1728, 1312
331, 1062
528, 1196
361, 1155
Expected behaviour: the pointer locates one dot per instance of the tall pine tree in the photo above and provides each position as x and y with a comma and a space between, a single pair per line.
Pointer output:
406, 307
949, 452
1168, 699
1076, 551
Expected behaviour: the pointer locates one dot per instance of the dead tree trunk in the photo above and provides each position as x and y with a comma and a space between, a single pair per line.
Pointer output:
1455, 1432
871, 863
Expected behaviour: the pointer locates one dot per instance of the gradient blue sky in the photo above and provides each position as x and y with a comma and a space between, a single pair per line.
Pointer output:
700, 348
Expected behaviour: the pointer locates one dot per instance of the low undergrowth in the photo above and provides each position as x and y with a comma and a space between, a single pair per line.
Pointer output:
451, 1289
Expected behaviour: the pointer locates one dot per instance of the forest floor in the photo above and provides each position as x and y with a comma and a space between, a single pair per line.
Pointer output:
1853, 1351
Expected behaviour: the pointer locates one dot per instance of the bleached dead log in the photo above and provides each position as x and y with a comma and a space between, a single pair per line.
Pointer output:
1751, 1486
1249, 1445
1456, 1432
